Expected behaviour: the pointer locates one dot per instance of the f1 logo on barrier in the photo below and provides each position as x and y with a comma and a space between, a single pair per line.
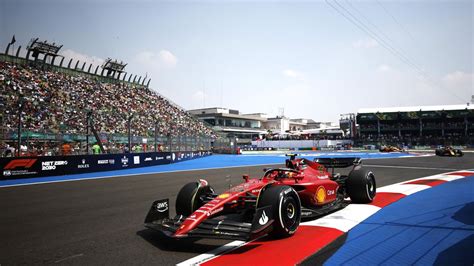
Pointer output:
25, 163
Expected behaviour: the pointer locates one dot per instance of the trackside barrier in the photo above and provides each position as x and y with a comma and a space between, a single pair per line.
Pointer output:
26, 167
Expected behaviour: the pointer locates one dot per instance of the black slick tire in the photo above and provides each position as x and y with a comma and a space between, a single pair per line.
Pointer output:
286, 209
188, 199
361, 185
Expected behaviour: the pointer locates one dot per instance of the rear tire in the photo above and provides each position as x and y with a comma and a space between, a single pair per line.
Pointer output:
188, 199
286, 209
361, 185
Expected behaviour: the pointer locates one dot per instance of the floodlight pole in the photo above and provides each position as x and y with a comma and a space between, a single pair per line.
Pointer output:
130, 133
178, 128
156, 134
88, 119
20, 110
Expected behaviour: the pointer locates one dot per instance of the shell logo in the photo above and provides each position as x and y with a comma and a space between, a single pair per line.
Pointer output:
223, 196
320, 195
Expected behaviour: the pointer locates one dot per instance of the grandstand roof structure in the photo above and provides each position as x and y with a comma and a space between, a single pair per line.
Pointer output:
43, 47
416, 108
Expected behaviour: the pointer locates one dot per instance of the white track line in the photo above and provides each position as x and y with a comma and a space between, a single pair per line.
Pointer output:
411, 167
213, 253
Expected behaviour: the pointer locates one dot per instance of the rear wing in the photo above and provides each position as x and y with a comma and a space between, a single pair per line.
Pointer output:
341, 162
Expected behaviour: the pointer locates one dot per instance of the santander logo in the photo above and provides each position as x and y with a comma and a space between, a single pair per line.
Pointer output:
264, 219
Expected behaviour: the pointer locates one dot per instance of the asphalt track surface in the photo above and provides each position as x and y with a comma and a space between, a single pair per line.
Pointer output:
100, 221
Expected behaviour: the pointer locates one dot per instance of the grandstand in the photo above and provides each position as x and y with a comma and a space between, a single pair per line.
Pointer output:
419, 125
61, 104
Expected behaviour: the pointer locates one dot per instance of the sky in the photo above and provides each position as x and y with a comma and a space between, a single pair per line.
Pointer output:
311, 59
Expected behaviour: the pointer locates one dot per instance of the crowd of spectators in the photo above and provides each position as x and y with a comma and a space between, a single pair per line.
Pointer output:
409, 134
414, 140
56, 102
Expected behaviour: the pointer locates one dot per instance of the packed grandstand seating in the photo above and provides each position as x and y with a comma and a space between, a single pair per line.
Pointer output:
58, 103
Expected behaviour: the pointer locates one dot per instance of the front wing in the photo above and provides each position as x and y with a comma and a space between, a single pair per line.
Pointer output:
220, 227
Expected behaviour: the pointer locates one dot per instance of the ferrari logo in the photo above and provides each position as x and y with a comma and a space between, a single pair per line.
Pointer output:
321, 168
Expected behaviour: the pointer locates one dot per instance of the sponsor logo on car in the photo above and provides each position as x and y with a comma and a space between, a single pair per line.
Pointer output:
225, 233
52, 165
320, 195
215, 211
321, 169
223, 196
162, 206
263, 219
288, 190
240, 188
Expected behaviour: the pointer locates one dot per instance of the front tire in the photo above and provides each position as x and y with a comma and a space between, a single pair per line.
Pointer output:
286, 209
189, 198
361, 186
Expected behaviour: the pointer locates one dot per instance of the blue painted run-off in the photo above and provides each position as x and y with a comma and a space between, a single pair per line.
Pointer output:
214, 161
434, 226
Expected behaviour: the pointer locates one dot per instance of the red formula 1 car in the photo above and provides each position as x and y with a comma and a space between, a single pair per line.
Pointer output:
273, 204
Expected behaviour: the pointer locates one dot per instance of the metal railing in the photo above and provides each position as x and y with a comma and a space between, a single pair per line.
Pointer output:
45, 143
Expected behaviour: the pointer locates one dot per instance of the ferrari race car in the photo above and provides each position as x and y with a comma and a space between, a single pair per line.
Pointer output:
448, 151
273, 204
390, 148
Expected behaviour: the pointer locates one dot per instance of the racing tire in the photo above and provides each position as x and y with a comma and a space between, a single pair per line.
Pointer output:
361, 185
189, 198
286, 209
459, 153
438, 152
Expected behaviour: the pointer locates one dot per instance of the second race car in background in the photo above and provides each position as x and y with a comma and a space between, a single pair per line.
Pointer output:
449, 151
390, 148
